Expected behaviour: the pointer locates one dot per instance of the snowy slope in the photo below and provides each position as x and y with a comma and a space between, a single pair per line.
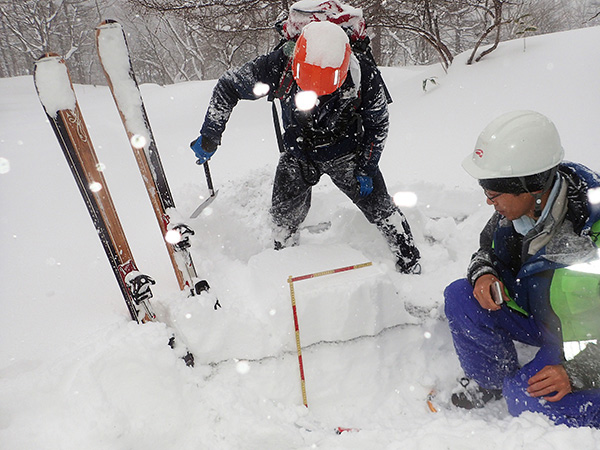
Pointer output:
76, 373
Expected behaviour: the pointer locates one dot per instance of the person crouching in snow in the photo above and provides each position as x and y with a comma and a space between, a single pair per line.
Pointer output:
341, 132
544, 224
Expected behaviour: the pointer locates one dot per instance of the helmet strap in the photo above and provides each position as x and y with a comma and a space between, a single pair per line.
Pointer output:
537, 211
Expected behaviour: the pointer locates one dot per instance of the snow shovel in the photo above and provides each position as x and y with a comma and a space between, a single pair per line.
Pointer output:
211, 191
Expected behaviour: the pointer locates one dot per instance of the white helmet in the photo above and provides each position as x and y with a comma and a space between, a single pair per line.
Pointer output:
516, 144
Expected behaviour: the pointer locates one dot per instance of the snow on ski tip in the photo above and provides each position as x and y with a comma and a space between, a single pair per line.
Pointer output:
114, 56
53, 84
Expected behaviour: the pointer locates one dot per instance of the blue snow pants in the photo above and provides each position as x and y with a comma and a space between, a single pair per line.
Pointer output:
484, 343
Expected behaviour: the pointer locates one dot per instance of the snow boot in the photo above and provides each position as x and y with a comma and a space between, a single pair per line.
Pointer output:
412, 268
285, 237
397, 233
470, 395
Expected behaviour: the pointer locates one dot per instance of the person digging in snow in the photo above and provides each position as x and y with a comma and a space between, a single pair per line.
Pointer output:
341, 132
543, 225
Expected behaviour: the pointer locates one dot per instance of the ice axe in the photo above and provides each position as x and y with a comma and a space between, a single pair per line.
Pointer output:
211, 191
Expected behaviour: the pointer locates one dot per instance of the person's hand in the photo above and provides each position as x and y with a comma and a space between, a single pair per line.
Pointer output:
549, 380
366, 185
483, 293
203, 148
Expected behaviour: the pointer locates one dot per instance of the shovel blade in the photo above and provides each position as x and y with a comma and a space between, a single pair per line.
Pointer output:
203, 205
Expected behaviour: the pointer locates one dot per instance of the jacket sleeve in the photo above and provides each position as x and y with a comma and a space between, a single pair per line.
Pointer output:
240, 84
584, 369
375, 118
481, 261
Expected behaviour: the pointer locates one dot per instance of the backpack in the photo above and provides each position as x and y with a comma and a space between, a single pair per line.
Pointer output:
304, 12
301, 14
349, 18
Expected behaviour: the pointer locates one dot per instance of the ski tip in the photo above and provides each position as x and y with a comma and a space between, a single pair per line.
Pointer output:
50, 55
108, 23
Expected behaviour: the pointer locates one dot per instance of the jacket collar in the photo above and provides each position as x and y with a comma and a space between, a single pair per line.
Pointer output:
555, 237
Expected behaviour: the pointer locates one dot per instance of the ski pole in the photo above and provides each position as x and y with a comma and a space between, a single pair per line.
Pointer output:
211, 191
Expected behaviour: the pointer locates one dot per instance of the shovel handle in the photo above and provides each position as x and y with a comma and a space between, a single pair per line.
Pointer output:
208, 177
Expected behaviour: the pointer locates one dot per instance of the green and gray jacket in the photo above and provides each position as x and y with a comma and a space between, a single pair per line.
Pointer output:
537, 269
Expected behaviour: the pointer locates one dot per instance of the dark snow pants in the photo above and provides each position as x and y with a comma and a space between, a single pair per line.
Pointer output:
292, 198
484, 343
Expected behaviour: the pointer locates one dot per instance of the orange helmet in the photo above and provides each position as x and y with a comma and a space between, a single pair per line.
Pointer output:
321, 58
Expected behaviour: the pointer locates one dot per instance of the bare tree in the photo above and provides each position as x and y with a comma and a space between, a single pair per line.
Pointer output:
206, 38
492, 13
178, 40
33, 27
418, 17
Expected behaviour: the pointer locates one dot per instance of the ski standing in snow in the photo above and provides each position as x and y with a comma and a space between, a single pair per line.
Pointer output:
539, 245
54, 88
113, 53
55, 91
334, 111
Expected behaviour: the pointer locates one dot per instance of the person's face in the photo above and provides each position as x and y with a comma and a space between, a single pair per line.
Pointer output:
511, 206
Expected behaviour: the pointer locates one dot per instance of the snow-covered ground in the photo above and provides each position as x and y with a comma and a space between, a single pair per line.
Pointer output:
76, 373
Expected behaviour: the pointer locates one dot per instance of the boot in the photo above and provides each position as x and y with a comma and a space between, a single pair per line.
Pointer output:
470, 395
410, 268
285, 237
397, 233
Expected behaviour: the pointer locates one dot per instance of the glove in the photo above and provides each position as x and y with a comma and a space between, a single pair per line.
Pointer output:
366, 185
203, 148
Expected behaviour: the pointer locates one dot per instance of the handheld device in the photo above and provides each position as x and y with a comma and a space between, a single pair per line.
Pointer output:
496, 291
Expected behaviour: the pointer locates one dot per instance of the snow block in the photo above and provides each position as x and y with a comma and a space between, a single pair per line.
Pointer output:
335, 307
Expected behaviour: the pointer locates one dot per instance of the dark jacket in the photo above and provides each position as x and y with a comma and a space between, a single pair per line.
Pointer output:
528, 264
352, 119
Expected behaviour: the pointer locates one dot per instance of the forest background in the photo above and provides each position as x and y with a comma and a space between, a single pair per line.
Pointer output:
182, 40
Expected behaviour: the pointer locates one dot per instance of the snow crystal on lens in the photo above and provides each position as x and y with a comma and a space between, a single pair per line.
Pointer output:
4, 166
100, 167
261, 89
306, 100
594, 196
173, 236
95, 186
51, 261
242, 367
138, 141
405, 199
